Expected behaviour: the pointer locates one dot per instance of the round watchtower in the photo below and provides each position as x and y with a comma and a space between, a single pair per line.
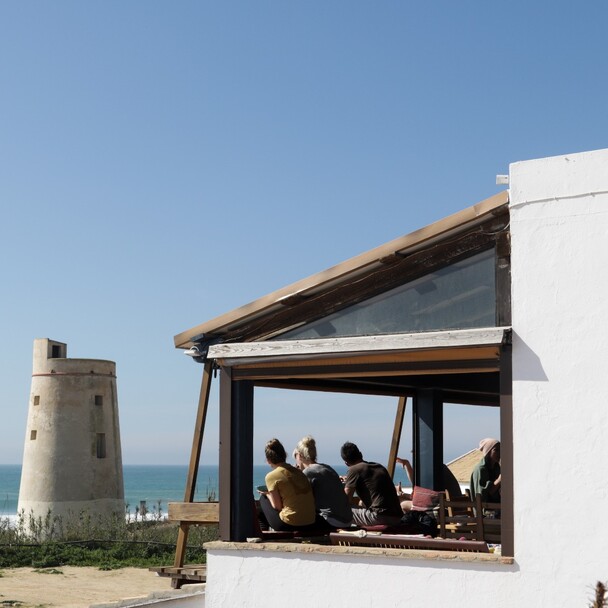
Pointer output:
72, 460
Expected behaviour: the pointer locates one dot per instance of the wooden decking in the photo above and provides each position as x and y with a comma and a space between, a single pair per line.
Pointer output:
193, 573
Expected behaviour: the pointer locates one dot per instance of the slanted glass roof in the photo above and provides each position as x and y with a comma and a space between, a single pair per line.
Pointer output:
361, 278
459, 296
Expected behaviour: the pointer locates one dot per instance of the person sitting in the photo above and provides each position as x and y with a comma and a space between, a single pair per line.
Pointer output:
331, 502
448, 483
288, 502
378, 503
486, 477
419, 507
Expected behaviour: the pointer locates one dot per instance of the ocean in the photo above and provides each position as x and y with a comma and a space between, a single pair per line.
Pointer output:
157, 485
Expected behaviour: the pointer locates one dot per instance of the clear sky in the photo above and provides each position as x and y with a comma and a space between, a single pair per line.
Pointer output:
162, 163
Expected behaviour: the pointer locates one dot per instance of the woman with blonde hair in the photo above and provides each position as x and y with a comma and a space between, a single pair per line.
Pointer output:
331, 502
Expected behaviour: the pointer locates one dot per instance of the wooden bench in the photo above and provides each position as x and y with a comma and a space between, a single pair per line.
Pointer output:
188, 514
194, 513
194, 573
402, 541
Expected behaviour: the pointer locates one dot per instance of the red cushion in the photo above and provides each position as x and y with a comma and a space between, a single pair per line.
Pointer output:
424, 499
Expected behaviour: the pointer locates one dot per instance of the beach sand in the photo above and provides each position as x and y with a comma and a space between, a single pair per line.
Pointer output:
73, 587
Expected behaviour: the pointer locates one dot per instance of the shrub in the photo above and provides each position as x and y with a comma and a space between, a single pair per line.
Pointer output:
107, 543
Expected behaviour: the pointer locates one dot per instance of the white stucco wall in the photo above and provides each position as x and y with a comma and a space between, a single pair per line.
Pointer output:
559, 230
303, 580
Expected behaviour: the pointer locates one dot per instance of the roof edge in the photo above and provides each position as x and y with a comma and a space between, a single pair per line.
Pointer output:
452, 223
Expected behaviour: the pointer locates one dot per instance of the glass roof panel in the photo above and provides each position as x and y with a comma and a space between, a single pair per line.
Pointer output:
459, 296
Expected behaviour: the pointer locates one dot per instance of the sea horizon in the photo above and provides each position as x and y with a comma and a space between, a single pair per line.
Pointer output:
155, 485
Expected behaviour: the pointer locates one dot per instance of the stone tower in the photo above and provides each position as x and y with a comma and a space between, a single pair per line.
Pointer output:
72, 460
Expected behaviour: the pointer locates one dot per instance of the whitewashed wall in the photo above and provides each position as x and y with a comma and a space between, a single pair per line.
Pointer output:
559, 228
255, 578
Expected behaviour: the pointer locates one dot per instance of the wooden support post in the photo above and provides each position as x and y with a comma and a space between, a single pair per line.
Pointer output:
197, 442
393, 452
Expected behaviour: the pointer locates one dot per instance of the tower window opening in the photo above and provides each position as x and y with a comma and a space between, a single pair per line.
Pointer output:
36, 399
33, 435
101, 445
55, 351
98, 399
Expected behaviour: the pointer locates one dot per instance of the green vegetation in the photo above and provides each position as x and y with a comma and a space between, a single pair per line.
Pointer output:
106, 543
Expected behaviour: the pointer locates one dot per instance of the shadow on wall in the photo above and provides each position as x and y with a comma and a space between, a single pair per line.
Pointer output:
529, 367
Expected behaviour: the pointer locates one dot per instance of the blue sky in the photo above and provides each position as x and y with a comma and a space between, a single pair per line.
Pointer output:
162, 163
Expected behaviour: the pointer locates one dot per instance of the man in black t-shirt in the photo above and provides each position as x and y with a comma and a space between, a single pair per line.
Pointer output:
378, 500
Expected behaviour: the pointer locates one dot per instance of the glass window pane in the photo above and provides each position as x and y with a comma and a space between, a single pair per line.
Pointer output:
459, 296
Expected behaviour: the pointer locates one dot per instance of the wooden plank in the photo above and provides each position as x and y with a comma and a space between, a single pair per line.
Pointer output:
197, 442
171, 570
234, 353
180, 547
393, 452
199, 430
368, 370
420, 357
196, 573
195, 512
369, 386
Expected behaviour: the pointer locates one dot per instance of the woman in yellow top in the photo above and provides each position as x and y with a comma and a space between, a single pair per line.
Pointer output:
288, 502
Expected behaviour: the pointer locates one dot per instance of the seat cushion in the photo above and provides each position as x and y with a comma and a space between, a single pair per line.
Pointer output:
424, 499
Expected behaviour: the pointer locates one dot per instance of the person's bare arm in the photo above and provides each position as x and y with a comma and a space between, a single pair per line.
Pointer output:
275, 499
350, 492
407, 465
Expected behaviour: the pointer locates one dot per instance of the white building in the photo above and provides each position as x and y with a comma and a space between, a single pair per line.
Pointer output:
501, 305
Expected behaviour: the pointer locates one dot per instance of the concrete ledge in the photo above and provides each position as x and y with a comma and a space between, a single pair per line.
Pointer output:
189, 595
406, 554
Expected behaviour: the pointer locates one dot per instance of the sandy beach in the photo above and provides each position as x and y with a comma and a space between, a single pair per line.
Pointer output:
73, 587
